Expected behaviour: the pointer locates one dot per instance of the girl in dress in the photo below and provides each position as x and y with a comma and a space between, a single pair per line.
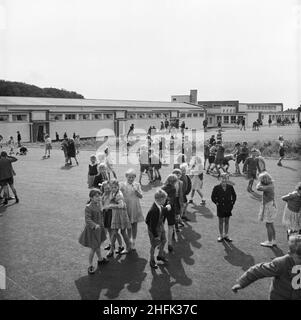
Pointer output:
196, 171
281, 150
120, 218
292, 212
93, 171
268, 210
11, 145
93, 234
132, 194
48, 146
109, 164
107, 213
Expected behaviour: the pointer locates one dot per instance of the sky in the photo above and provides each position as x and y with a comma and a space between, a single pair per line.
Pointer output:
246, 50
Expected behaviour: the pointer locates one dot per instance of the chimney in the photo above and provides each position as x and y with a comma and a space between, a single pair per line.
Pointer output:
194, 96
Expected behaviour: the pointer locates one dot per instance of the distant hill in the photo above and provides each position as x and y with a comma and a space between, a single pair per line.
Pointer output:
21, 89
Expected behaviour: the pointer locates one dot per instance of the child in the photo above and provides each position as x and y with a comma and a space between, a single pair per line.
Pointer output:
156, 232
219, 158
93, 234
105, 201
219, 136
285, 271
212, 154
101, 176
155, 165
250, 168
77, 143
71, 152
268, 210
241, 155
224, 197
132, 194
11, 145
144, 163
186, 189
180, 159
236, 154
206, 153
196, 170
261, 162
170, 189
281, 150
120, 218
92, 172
64, 147
292, 214
22, 151
179, 204
109, 164
225, 163
48, 146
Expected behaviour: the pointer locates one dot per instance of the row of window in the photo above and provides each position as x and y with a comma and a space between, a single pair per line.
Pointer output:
227, 118
15, 117
81, 116
254, 107
132, 115
192, 115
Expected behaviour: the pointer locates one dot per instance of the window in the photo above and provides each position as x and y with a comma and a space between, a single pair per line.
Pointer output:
226, 119
96, 116
216, 105
233, 119
3, 117
174, 99
19, 117
70, 116
166, 115
55, 116
108, 116
182, 115
158, 115
84, 117
201, 115
195, 115
219, 118
150, 115
131, 115
141, 115
189, 115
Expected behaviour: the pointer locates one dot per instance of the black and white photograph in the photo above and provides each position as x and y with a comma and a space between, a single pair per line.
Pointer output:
150, 151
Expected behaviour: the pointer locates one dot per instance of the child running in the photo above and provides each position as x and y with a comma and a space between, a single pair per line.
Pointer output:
285, 271
93, 234
292, 212
268, 210
156, 232
132, 193
281, 150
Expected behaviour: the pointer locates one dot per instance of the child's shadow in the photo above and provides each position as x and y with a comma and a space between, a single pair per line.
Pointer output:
203, 211
114, 277
66, 167
161, 285
237, 257
290, 168
277, 251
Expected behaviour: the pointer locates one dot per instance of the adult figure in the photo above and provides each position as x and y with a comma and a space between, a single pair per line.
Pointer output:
224, 196
183, 127
7, 175
162, 126
74, 135
19, 139
57, 138
219, 124
270, 122
166, 123
65, 135
64, 147
131, 130
205, 124
237, 123
243, 124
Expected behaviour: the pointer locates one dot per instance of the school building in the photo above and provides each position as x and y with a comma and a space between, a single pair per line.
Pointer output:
229, 111
34, 117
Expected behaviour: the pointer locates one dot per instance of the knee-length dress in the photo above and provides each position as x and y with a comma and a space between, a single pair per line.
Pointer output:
197, 177
133, 206
292, 212
91, 237
120, 218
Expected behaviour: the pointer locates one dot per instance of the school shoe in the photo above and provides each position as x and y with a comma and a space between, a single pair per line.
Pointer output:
107, 247
91, 270
274, 243
220, 239
226, 238
279, 164
153, 264
266, 244
163, 259
119, 250
17, 200
124, 251
190, 201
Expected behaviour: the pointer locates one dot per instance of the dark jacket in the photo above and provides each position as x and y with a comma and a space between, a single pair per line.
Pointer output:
153, 219
71, 152
186, 184
6, 169
100, 178
224, 200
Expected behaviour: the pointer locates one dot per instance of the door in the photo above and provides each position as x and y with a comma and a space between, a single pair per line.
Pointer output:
41, 133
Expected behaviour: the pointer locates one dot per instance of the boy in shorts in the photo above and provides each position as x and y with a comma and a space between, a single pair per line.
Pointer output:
155, 226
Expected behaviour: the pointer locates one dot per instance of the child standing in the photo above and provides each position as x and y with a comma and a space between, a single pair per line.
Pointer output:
212, 154
156, 232
48, 146
120, 218
268, 210
92, 171
105, 201
101, 176
196, 170
93, 234
292, 212
250, 168
281, 150
179, 204
109, 164
186, 189
11, 145
132, 194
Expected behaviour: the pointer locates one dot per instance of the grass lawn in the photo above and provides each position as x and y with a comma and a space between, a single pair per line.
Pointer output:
39, 240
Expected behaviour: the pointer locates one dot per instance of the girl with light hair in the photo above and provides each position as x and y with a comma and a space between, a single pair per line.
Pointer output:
268, 211
196, 171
